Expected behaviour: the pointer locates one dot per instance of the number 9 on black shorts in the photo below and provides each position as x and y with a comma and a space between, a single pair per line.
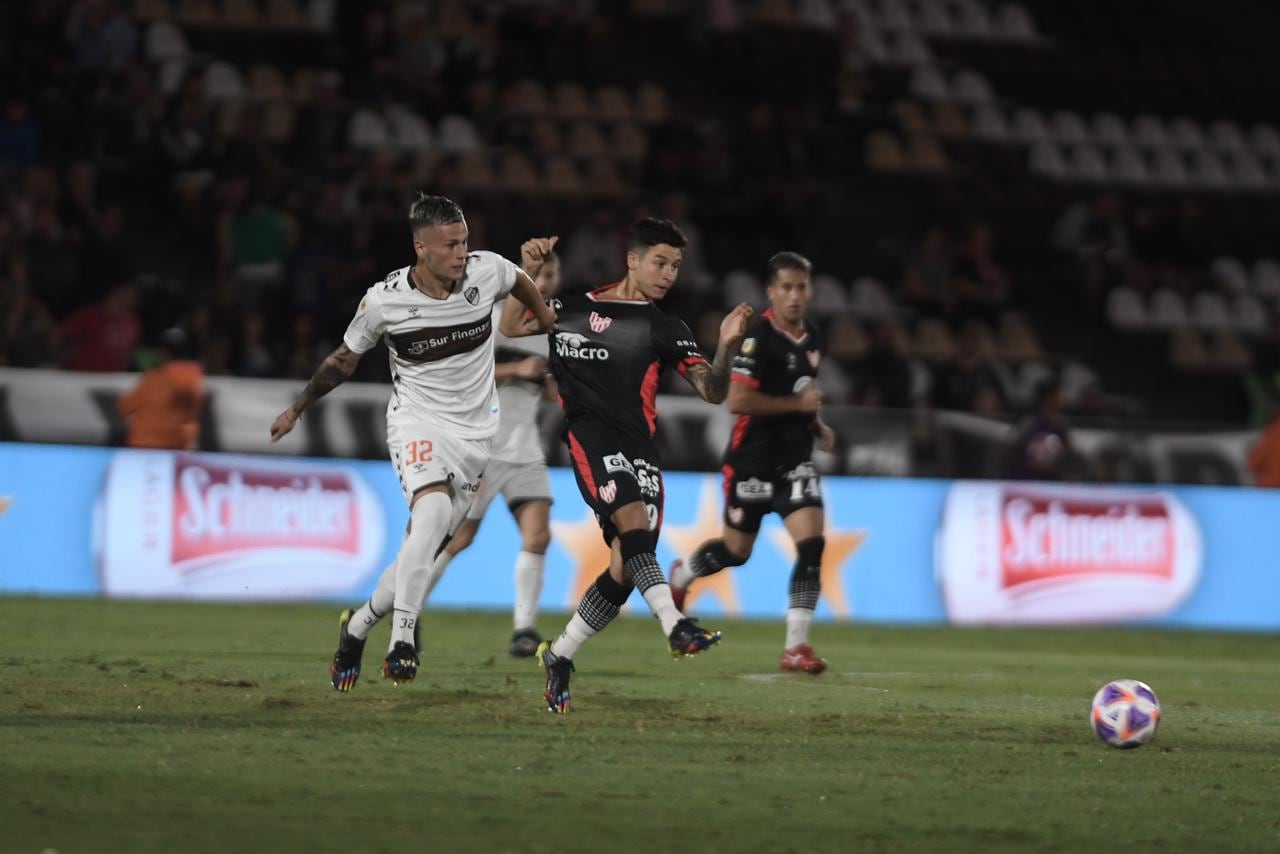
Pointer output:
610, 476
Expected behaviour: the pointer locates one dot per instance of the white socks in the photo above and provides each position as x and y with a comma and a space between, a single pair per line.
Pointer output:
663, 606
798, 620
683, 576
575, 634
529, 570
430, 523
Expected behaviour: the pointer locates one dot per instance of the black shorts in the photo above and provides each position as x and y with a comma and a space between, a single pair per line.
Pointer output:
611, 472
750, 495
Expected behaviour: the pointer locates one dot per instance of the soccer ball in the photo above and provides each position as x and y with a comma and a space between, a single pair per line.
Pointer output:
1125, 713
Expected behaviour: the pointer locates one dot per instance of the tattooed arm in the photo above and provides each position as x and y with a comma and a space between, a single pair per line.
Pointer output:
711, 381
336, 368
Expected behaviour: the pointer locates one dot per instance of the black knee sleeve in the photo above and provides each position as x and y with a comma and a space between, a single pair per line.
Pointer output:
638, 560
713, 556
635, 543
612, 591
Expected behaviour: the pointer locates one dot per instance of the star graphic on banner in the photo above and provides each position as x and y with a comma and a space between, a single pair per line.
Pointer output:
840, 546
5, 503
582, 539
686, 538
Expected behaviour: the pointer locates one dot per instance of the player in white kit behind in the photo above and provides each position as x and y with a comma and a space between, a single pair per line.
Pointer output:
436, 318
518, 470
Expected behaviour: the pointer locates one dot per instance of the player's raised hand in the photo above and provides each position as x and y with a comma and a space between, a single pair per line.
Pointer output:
284, 423
534, 252
734, 326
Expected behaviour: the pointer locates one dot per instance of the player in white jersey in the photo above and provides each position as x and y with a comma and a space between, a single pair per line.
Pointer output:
436, 319
518, 470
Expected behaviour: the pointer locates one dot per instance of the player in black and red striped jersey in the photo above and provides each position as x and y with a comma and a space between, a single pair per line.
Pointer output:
767, 466
608, 353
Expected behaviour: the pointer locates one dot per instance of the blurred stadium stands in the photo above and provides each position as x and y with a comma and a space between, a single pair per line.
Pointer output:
991, 192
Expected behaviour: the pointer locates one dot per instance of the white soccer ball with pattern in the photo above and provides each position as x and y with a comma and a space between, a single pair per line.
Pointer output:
1125, 713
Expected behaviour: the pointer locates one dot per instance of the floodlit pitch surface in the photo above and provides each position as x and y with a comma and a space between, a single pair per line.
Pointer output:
165, 727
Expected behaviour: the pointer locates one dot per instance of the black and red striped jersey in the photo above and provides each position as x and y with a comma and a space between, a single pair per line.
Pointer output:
608, 355
773, 361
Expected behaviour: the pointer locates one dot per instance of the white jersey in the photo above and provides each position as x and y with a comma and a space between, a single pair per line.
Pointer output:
441, 350
518, 440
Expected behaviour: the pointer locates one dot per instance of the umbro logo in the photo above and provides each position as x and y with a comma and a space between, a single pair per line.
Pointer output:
413, 311
599, 323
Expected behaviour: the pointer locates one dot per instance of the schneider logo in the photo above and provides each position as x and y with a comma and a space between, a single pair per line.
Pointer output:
571, 345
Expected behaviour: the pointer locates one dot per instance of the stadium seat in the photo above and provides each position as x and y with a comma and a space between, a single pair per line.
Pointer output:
603, 178
933, 341
1246, 172
196, 13
984, 340
1068, 128
989, 123
629, 143
1169, 169
285, 16
651, 104
894, 15
870, 299
1125, 310
279, 121
910, 116
926, 155
408, 130
973, 20
152, 10
1086, 164
367, 130
1249, 315
516, 173
1226, 352
1167, 310
475, 171
971, 88
949, 121
561, 178
817, 14
1029, 126
1187, 351
612, 104
1046, 160
1265, 140
527, 97
829, 296
1128, 167
928, 83
908, 49
223, 82
1266, 278
240, 15
569, 102
586, 140
171, 74
1230, 273
267, 83
1017, 340
456, 134
935, 18
321, 14
1226, 136
1208, 311
1149, 132
1014, 22
742, 286
1186, 134
1207, 170
1109, 129
883, 152
165, 41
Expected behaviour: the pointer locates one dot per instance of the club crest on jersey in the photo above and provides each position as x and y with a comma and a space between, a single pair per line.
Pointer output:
748, 346
598, 323
609, 492
792, 361
472, 295
735, 515
814, 356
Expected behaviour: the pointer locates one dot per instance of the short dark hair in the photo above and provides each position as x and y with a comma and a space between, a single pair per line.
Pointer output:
427, 211
651, 231
787, 261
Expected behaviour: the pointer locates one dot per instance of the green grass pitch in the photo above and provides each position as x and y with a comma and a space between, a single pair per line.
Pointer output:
180, 727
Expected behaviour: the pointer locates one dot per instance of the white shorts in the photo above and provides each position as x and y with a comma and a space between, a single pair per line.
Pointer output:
425, 454
516, 482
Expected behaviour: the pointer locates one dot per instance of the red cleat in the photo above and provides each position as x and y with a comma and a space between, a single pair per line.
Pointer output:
801, 659
677, 592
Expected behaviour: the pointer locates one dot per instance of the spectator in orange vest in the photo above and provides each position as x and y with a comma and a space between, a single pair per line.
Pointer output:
163, 409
